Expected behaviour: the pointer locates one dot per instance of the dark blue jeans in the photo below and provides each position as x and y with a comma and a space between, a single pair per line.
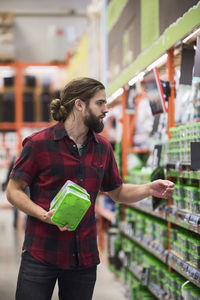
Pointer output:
36, 281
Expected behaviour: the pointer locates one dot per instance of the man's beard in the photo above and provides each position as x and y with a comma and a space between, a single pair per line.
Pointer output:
93, 123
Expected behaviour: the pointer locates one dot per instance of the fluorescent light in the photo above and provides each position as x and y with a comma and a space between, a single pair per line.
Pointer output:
41, 69
115, 95
157, 62
138, 77
6, 71
191, 35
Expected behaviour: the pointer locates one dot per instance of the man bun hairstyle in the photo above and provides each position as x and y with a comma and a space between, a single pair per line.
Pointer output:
57, 110
82, 88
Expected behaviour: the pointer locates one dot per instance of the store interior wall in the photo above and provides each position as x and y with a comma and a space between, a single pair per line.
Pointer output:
35, 38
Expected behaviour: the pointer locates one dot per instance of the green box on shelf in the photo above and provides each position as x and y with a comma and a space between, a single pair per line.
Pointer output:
182, 238
195, 293
195, 245
196, 207
190, 291
173, 173
184, 252
71, 204
195, 259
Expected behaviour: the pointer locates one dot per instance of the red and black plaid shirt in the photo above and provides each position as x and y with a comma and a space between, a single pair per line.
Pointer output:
48, 159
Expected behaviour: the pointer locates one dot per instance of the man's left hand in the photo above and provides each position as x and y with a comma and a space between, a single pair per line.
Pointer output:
161, 188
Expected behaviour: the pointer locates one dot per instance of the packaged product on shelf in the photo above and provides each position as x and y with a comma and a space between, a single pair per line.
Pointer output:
8, 107
195, 97
190, 291
196, 207
28, 107
114, 246
158, 173
144, 125
181, 103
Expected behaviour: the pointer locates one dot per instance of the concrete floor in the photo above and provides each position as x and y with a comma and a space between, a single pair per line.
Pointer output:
107, 287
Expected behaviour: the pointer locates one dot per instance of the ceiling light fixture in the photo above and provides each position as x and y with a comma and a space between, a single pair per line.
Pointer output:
157, 62
115, 95
191, 35
41, 69
138, 77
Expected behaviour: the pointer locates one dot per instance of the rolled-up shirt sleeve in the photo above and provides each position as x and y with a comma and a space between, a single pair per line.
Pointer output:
26, 167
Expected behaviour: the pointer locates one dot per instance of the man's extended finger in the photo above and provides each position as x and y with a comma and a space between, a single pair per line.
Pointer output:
51, 212
63, 228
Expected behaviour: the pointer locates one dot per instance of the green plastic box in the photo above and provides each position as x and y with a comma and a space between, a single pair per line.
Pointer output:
71, 204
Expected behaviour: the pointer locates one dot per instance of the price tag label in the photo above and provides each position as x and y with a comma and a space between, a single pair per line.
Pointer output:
194, 221
195, 160
157, 155
197, 276
185, 267
179, 262
145, 276
187, 218
170, 256
177, 165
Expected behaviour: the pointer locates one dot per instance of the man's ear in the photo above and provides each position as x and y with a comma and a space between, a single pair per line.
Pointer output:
79, 104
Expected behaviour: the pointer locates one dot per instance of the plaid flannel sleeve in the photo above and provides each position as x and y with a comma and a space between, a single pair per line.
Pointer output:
26, 167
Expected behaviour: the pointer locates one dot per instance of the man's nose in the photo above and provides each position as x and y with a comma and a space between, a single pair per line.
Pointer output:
105, 109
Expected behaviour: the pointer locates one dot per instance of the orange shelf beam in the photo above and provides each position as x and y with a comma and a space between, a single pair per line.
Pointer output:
36, 124
19, 68
125, 138
38, 64
135, 150
171, 101
7, 126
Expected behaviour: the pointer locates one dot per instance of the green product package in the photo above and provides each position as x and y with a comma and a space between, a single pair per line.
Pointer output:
71, 204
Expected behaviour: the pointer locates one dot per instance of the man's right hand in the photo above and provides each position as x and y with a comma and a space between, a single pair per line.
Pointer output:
48, 216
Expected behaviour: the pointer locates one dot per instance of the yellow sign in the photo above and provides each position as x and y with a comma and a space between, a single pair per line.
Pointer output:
78, 66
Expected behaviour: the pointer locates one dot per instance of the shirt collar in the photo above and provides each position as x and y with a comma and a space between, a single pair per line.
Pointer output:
60, 132
95, 136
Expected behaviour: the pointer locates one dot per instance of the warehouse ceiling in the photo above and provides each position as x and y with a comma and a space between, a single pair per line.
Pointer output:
52, 7
37, 21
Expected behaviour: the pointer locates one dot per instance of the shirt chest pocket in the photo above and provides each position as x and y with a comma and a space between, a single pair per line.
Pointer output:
97, 168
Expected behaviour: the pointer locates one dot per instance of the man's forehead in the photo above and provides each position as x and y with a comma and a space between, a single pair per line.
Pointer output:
100, 95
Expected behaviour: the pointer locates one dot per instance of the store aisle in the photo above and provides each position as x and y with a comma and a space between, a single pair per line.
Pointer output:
107, 287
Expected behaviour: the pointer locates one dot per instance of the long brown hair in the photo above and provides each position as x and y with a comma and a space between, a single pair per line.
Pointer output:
82, 88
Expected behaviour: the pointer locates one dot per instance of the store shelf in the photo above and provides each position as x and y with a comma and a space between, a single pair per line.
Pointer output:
137, 150
179, 172
161, 214
184, 268
178, 165
35, 124
184, 219
7, 126
136, 270
158, 292
12, 125
18, 88
104, 213
185, 174
150, 246
153, 288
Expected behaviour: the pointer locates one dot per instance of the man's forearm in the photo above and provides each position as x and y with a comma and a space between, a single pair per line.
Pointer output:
129, 193
19, 199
